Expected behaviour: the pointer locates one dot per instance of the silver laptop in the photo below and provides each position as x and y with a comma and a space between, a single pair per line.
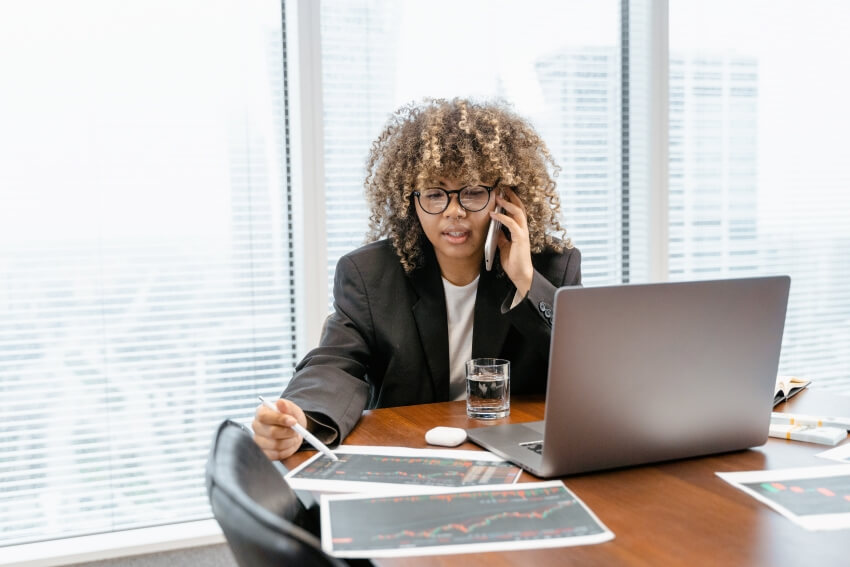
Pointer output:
652, 372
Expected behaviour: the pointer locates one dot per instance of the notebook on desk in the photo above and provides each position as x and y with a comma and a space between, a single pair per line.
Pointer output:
652, 372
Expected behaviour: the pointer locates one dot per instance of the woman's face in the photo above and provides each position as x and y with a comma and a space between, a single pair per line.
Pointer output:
456, 234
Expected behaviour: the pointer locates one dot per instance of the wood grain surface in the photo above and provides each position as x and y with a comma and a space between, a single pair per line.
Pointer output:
673, 513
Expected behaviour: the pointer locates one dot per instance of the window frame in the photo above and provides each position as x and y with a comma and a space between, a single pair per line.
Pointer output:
302, 46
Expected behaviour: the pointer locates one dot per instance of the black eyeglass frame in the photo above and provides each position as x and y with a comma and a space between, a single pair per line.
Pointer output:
457, 192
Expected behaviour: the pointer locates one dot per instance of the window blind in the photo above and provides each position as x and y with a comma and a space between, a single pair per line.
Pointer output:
758, 181
359, 67
145, 257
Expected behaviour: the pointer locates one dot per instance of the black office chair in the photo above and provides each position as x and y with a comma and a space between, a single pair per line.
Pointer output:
262, 518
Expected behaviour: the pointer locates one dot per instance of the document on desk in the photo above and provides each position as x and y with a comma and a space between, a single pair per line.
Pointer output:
840, 454
816, 498
363, 468
458, 520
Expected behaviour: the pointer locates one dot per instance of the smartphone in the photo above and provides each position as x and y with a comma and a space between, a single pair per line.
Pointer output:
492, 241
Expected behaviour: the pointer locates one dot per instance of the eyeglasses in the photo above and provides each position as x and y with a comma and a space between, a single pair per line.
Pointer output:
435, 200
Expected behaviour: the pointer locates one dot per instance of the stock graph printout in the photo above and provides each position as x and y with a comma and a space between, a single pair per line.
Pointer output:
816, 498
840, 454
508, 517
363, 468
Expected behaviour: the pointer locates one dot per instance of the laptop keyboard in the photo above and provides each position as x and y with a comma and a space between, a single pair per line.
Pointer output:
536, 446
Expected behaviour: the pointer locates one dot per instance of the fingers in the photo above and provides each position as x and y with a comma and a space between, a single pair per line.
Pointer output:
268, 416
276, 442
515, 254
513, 217
288, 413
278, 449
287, 407
511, 202
273, 431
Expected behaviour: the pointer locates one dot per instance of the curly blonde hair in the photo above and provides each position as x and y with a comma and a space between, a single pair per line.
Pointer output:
464, 140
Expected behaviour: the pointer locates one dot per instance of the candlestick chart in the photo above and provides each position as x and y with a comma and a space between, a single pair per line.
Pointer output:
411, 470
807, 496
472, 517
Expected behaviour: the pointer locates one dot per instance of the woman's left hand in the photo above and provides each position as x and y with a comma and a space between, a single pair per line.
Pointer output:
515, 254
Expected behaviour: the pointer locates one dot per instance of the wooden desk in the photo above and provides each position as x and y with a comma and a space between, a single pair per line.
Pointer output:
676, 513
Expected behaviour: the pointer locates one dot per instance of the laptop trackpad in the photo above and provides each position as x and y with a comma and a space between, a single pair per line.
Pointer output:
504, 437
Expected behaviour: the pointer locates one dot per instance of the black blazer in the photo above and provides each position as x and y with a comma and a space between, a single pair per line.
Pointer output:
386, 343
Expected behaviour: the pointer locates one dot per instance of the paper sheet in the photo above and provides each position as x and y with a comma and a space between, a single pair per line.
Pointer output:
840, 454
459, 520
816, 498
363, 468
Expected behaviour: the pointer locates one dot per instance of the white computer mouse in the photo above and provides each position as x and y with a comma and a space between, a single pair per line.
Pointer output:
445, 436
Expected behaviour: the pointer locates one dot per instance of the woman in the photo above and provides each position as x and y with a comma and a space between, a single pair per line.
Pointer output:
411, 307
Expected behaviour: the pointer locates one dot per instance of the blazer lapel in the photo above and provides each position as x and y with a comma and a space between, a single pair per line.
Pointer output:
490, 327
430, 314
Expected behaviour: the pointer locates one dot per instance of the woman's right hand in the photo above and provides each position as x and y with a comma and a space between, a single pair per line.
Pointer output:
273, 429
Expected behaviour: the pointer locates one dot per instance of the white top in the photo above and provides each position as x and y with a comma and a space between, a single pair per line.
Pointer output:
460, 308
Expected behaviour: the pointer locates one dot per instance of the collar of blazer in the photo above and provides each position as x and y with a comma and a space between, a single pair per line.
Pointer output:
490, 327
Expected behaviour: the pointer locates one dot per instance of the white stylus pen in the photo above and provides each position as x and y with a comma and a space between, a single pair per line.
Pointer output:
308, 437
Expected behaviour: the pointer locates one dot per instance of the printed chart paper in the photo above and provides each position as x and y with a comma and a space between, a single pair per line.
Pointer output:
364, 468
508, 517
840, 454
816, 498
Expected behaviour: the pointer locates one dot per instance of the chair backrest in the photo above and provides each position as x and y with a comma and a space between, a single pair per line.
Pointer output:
261, 517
